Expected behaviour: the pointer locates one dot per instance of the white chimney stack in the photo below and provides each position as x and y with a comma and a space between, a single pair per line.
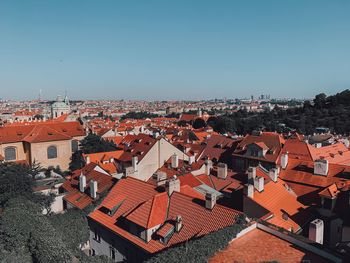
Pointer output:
191, 159
208, 166
259, 183
174, 161
178, 224
134, 162
210, 200
82, 182
321, 167
273, 173
222, 170
249, 190
284, 160
87, 159
161, 177
173, 185
316, 230
93, 189
251, 173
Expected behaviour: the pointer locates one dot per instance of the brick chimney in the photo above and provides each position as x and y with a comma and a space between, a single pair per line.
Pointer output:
273, 173
174, 161
321, 167
82, 182
178, 223
93, 189
222, 170
173, 185
284, 160
210, 200
259, 183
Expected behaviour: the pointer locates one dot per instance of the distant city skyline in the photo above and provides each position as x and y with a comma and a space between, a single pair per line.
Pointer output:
173, 50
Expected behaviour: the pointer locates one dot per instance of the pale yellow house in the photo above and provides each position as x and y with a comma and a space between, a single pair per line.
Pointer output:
49, 144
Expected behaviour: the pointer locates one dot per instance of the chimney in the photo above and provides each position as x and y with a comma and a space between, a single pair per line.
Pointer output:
87, 159
111, 160
251, 173
249, 190
174, 161
134, 162
210, 200
273, 173
208, 166
321, 167
316, 230
82, 182
173, 185
178, 223
222, 170
191, 160
161, 177
284, 160
259, 183
93, 189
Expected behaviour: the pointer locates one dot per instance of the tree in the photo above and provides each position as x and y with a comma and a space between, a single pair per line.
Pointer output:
199, 123
15, 180
94, 144
33, 235
320, 100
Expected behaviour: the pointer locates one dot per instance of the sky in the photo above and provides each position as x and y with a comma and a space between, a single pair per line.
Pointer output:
170, 50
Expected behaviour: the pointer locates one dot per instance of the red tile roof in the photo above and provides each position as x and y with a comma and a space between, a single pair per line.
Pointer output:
260, 246
39, 132
152, 212
81, 200
197, 220
271, 140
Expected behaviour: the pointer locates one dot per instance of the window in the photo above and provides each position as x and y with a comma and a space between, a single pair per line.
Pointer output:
10, 154
52, 152
75, 146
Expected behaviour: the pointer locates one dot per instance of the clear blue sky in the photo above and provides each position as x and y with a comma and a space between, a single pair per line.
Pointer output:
178, 49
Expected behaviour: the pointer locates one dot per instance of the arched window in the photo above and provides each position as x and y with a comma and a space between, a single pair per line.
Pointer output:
10, 154
51, 152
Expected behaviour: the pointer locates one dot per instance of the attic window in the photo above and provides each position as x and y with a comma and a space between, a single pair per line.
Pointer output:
19, 134
50, 133
64, 130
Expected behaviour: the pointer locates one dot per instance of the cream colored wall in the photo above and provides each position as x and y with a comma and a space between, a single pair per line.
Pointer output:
20, 153
64, 153
155, 158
